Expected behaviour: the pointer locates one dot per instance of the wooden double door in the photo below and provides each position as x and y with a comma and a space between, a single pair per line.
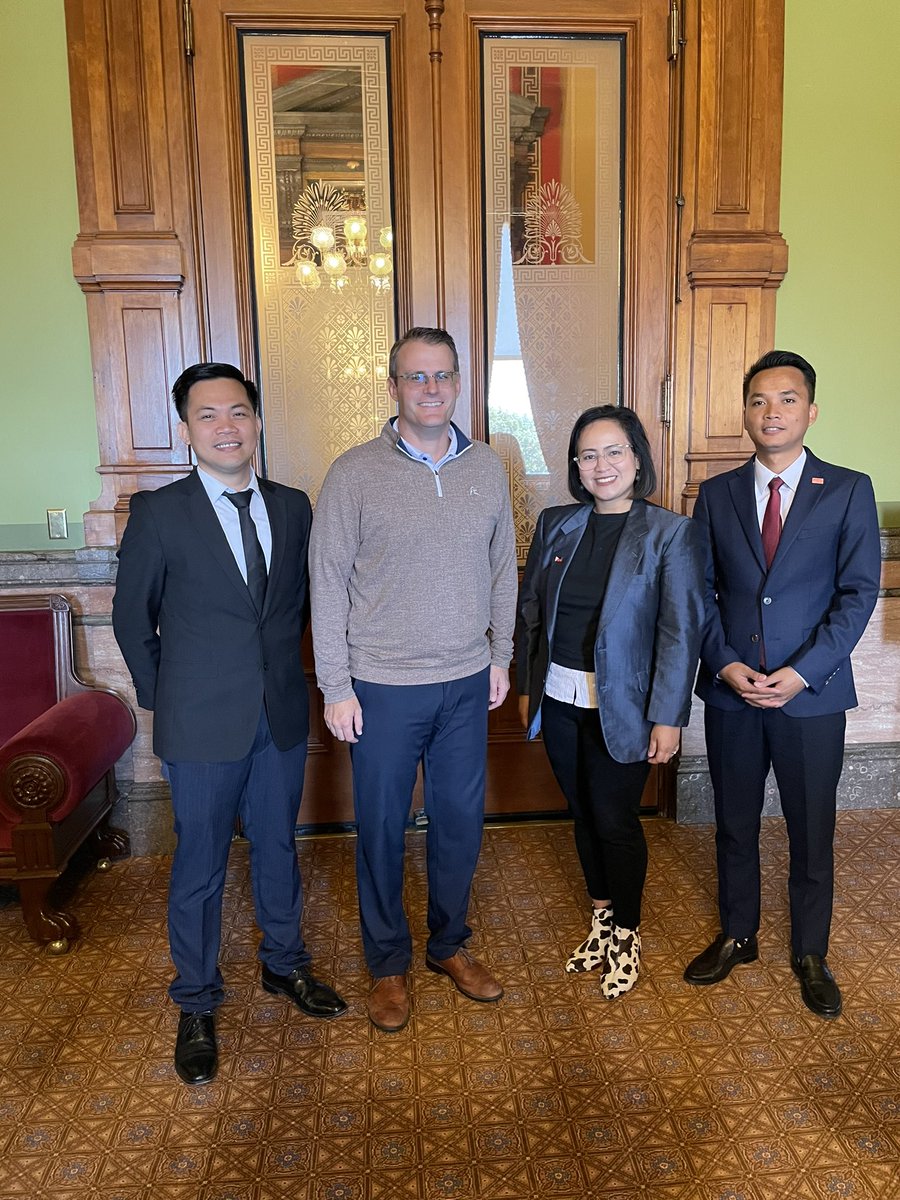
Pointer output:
584, 194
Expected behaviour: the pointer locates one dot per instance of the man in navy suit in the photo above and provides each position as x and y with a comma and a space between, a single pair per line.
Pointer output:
211, 602
795, 570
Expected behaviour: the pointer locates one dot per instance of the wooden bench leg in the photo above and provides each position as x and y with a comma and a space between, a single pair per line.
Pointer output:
110, 842
43, 922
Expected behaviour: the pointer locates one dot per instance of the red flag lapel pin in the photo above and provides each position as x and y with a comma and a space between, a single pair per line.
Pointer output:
817, 479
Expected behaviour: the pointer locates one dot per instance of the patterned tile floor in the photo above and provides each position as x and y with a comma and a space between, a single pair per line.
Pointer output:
734, 1092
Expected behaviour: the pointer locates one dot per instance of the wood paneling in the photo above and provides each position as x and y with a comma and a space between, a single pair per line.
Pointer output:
135, 256
732, 256
144, 340
731, 145
129, 152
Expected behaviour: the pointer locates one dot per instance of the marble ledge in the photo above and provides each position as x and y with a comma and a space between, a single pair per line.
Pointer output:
870, 779
145, 811
58, 569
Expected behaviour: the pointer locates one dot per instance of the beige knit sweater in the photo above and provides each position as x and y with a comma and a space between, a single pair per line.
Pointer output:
412, 574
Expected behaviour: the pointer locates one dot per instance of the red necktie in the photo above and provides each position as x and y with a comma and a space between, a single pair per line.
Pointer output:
771, 526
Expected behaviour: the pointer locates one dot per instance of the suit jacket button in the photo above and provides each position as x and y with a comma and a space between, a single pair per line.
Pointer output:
754, 637
767, 599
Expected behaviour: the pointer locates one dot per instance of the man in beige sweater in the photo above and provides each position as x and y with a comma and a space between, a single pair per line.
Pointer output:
413, 580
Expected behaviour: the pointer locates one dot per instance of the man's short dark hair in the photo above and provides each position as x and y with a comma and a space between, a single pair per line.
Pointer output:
200, 372
422, 333
632, 431
782, 358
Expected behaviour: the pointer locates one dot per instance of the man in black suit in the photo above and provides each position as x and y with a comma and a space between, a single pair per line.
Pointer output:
211, 602
794, 576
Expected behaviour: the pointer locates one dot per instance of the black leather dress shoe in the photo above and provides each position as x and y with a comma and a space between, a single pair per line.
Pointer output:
312, 997
717, 959
818, 987
196, 1055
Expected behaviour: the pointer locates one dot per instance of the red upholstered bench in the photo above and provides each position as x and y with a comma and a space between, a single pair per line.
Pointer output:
59, 742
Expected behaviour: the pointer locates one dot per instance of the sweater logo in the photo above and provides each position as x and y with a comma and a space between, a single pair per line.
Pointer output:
473, 491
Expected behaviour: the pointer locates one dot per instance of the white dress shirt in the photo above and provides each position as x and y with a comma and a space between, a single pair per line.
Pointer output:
790, 477
571, 686
230, 520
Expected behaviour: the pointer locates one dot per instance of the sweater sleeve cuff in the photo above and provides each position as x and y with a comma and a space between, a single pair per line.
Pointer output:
334, 695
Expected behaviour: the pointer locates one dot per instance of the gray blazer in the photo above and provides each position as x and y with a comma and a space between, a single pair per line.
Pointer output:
651, 622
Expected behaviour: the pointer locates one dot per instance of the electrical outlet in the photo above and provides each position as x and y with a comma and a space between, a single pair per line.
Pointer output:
56, 523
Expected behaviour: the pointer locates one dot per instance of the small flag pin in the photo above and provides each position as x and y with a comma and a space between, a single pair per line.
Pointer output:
817, 479
557, 559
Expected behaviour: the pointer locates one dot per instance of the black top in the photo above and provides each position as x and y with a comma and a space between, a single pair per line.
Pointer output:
582, 592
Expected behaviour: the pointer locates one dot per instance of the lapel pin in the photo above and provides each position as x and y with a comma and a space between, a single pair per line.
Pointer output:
817, 479
557, 559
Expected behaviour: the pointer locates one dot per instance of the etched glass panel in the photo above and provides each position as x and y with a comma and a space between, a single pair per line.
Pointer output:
553, 177
318, 150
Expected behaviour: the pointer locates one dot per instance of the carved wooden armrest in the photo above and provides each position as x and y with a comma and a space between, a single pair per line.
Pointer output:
47, 768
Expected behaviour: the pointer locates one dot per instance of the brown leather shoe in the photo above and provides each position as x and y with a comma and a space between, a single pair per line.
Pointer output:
388, 1003
470, 977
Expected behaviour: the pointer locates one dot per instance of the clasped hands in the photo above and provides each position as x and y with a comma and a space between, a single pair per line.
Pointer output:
760, 690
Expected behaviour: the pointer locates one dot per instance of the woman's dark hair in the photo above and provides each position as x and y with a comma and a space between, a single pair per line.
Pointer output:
633, 431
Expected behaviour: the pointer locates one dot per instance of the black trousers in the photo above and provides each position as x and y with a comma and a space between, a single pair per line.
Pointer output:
605, 799
807, 755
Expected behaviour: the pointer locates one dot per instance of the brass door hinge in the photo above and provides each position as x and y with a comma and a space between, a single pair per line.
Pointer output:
674, 31
665, 401
187, 19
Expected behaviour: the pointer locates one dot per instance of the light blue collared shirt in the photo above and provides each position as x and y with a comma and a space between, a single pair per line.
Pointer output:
230, 521
790, 478
422, 456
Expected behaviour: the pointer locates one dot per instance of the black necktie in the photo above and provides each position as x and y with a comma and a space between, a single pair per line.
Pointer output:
253, 551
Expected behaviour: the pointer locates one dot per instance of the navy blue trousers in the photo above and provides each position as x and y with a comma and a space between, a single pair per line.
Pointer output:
443, 725
807, 754
264, 790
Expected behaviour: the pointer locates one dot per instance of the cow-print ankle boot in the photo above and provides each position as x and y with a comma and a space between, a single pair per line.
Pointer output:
592, 951
623, 961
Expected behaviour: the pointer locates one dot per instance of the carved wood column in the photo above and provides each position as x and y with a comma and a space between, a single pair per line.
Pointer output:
135, 254
733, 256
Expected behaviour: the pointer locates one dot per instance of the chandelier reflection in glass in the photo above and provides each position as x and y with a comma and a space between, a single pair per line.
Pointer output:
331, 239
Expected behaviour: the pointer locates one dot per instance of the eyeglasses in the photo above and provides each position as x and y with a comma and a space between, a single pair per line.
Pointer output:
420, 378
612, 454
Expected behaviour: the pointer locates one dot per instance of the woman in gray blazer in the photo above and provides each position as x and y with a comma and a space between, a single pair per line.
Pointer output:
610, 621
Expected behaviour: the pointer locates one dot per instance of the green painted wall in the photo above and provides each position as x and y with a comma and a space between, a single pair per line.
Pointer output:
840, 304
49, 448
